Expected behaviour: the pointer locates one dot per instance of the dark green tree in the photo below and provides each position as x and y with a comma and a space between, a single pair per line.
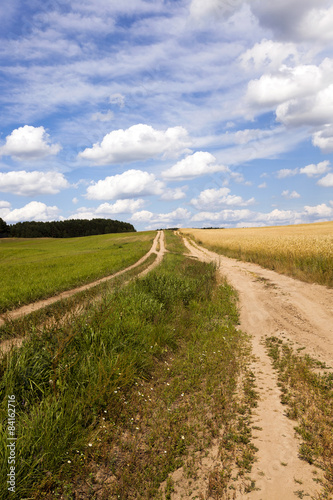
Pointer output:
4, 229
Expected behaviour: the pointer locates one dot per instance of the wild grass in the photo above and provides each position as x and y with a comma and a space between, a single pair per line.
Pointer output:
111, 401
307, 395
33, 269
71, 307
304, 251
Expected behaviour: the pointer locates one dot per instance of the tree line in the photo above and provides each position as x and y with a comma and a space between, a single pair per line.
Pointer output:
63, 229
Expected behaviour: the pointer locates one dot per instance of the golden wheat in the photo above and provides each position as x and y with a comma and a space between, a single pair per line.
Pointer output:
304, 251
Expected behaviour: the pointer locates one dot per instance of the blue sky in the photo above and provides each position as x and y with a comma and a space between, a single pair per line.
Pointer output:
167, 113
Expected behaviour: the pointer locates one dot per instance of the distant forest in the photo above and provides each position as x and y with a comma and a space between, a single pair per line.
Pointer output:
63, 229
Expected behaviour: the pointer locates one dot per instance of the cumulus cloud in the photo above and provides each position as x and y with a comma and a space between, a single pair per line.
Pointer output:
200, 163
106, 209
29, 143
310, 170
319, 210
290, 195
269, 54
222, 216
103, 117
33, 183
178, 217
138, 142
210, 199
314, 170
33, 211
323, 139
287, 83
326, 181
286, 172
316, 110
120, 207
4, 208
173, 194
130, 184
286, 18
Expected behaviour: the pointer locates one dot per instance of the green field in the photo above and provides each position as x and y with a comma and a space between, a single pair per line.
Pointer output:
121, 396
32, 269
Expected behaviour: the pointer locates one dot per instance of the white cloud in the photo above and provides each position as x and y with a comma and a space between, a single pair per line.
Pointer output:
33, 211
178, 217
269, 54
130, 184
103, 117
249, 135
4, 208
33, 183
287, 172
118, 99
286, 84
314, 170
316, 110
120, 207
106, 209
200, 163
212, 9
317, 25
210, 199
324, 139
138, 142
173, 194
320, 210
290, 195
262, 186
29, 143
223, 216
287, 19
326, 181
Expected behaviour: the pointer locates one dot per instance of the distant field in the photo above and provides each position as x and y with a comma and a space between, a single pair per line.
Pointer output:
304, 251
32, 269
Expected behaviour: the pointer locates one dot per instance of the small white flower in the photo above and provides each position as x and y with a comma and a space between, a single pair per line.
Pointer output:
69, 461
183, 437
89, 444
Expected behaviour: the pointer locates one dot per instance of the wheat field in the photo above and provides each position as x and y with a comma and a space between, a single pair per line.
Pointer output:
304, 251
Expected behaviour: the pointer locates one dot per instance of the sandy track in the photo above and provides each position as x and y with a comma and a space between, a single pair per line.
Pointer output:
273, 304
23, 311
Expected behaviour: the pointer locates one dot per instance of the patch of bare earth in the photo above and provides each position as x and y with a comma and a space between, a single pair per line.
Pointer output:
158, 247
270, 305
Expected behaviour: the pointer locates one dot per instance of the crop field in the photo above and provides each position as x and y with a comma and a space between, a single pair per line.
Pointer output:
33, 269
303, 251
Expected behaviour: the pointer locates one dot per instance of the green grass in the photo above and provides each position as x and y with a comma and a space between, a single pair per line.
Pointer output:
307, 395
116, 399
33, 269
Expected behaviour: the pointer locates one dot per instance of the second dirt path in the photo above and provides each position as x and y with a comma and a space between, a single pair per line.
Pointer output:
274, 304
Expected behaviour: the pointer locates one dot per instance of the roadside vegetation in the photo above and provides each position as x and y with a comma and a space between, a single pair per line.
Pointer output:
303, 251
33, 269
111, 401
307, 392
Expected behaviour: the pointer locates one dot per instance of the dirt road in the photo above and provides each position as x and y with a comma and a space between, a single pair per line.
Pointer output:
158, 247
273, 304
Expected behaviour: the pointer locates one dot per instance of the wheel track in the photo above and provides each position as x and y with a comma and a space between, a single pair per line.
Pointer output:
273, 304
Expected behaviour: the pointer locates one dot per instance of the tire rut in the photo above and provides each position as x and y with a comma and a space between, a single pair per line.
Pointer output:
273, 304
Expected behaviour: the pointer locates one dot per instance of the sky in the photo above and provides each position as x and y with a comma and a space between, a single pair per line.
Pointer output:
167, 113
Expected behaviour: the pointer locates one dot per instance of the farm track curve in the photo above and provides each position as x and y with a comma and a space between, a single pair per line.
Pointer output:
277, 305
158, 247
